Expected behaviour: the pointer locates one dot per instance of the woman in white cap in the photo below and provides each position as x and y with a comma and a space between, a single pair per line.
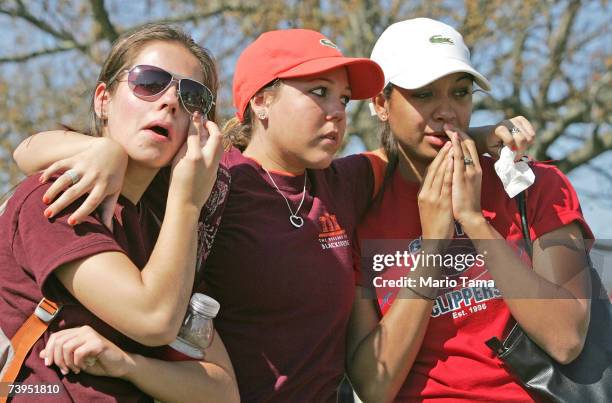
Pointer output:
282, 262
442, 199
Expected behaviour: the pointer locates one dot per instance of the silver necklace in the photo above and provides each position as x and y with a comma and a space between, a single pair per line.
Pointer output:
294, 219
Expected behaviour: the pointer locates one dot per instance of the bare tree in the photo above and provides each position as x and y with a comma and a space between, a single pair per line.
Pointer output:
548, 60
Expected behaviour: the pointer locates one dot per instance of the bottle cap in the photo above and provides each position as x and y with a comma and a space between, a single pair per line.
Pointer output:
204, 305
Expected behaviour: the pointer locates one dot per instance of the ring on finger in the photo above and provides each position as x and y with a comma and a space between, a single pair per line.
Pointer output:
90, 361
515, 130
468, 161
73, 175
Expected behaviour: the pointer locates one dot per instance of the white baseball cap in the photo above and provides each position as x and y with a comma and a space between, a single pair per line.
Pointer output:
416, 52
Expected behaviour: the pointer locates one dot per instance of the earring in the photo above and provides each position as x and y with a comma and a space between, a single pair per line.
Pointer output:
383, 117
261, 115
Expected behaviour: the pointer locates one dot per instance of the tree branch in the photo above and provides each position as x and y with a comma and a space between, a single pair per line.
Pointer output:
574, 114
63, 47
517, 57
578, 112
107, 29
23, 13
558, 48
194, 17
66, 39
593, 147
601, 31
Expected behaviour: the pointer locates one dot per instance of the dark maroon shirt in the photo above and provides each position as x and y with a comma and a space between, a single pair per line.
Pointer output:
286, 293
32, 247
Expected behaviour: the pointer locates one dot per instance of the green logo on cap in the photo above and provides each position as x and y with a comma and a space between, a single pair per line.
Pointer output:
441, 39
328, 43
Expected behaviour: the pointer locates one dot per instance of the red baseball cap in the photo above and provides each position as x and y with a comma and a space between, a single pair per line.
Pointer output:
292, 53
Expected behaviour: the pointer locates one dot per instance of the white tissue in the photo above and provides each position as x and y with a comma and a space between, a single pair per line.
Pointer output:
515, 177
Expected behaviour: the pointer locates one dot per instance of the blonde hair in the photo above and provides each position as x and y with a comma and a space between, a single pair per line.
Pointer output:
237, 133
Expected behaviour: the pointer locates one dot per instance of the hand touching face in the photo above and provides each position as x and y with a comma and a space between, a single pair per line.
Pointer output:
151, 131
417, 117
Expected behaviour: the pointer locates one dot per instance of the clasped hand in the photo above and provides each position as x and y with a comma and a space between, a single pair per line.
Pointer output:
451, 188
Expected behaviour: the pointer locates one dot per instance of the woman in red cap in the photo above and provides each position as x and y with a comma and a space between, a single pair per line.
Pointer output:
435, 328
282, 262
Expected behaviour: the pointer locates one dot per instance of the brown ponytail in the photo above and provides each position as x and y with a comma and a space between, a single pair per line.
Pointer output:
237, 133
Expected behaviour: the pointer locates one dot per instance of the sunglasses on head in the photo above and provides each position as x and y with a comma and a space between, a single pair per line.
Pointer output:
149, 82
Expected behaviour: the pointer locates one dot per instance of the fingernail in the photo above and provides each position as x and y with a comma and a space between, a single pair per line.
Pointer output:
46, 199
47, 361
41, 179
48, 213
72, 221
64, 371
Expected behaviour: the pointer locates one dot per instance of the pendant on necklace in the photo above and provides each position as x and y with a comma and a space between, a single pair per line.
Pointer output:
296, 221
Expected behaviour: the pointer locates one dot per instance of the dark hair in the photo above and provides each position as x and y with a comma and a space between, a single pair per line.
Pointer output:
237, 133
391, 147
129, 45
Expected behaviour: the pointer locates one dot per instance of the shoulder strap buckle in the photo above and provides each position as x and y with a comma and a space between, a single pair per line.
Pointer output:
47, 310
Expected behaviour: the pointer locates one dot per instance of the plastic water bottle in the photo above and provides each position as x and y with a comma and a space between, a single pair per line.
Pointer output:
197, 331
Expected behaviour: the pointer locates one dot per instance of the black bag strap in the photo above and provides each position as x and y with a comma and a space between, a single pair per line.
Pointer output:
521, 202
494, 343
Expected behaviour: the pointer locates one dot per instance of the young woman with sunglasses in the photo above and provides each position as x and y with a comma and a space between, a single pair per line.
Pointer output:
440, 197
124, 290
282, 264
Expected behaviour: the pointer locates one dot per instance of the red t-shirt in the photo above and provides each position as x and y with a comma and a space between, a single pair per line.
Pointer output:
286, 293
32, 247
454, 363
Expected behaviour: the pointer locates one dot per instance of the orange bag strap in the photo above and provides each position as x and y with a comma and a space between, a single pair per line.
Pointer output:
22, 342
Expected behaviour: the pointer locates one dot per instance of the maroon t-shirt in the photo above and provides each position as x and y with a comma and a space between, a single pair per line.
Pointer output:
32, 247
286, 293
